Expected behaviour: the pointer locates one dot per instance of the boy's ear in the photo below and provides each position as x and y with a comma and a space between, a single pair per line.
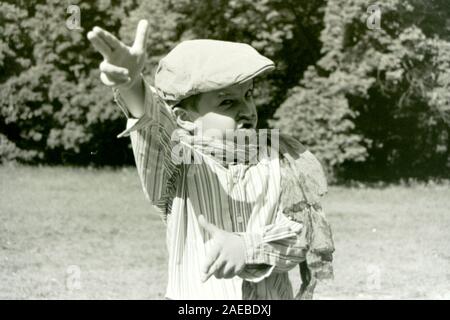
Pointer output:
182, 114
184, 119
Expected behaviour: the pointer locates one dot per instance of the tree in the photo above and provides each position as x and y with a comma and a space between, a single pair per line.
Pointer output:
371, 104
53, 108
377, 103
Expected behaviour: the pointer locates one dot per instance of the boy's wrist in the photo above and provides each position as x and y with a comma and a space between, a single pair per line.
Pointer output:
132, 86
252, 242
134, 97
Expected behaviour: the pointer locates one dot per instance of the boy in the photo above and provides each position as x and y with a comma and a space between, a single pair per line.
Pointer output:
233, 228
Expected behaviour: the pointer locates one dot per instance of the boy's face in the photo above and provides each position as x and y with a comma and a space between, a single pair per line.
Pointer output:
226, 109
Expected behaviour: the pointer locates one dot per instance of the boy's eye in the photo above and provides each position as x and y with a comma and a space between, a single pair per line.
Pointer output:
226, 102
249, 93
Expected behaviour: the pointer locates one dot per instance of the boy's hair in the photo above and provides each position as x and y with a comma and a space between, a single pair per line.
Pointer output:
189, 103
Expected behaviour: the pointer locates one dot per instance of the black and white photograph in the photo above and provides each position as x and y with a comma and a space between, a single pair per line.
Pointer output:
225, 150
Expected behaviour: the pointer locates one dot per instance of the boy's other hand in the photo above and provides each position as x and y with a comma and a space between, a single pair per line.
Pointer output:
225, 256
122, 64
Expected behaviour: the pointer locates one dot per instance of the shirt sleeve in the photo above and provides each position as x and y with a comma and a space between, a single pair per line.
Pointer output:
151, 143
278, 247
300, 224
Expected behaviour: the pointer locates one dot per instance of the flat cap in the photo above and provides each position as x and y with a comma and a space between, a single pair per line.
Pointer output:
197, 66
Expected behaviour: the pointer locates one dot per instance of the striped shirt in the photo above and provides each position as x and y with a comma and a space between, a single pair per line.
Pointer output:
243, 199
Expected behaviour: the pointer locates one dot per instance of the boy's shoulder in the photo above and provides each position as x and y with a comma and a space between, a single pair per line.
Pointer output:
301, 169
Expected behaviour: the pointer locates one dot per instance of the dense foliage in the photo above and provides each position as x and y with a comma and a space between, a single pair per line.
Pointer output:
377, 103
371, 103
52, 106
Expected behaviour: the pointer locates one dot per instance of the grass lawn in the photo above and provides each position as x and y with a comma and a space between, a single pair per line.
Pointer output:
58, 225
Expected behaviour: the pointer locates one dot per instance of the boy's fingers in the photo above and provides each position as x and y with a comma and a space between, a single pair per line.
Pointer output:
109, 39
215, 268
99, 44
212, 229
106, 81
228, 271
113, 70
219, 270
212, 253
113, 82
141, 36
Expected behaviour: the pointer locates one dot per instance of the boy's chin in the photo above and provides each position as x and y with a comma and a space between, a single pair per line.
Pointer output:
220, 133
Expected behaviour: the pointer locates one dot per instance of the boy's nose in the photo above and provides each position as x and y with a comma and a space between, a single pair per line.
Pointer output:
248, 108
247, 111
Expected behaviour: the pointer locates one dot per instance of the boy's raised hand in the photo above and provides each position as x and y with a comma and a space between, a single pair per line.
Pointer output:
225, 256
122, 64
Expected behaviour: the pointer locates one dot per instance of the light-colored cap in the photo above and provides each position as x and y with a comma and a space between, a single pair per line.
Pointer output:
197, 66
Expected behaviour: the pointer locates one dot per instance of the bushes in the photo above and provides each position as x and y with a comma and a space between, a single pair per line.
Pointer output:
377, 104
372, 104
53, 108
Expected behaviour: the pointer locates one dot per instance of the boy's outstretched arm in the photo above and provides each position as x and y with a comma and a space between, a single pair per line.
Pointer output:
149, 122
122, 65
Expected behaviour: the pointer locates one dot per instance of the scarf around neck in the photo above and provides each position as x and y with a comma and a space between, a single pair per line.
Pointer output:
242, 146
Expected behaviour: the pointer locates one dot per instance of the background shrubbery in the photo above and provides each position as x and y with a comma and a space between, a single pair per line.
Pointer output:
372, 104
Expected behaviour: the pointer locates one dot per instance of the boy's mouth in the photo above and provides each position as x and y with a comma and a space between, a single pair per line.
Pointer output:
245, 125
